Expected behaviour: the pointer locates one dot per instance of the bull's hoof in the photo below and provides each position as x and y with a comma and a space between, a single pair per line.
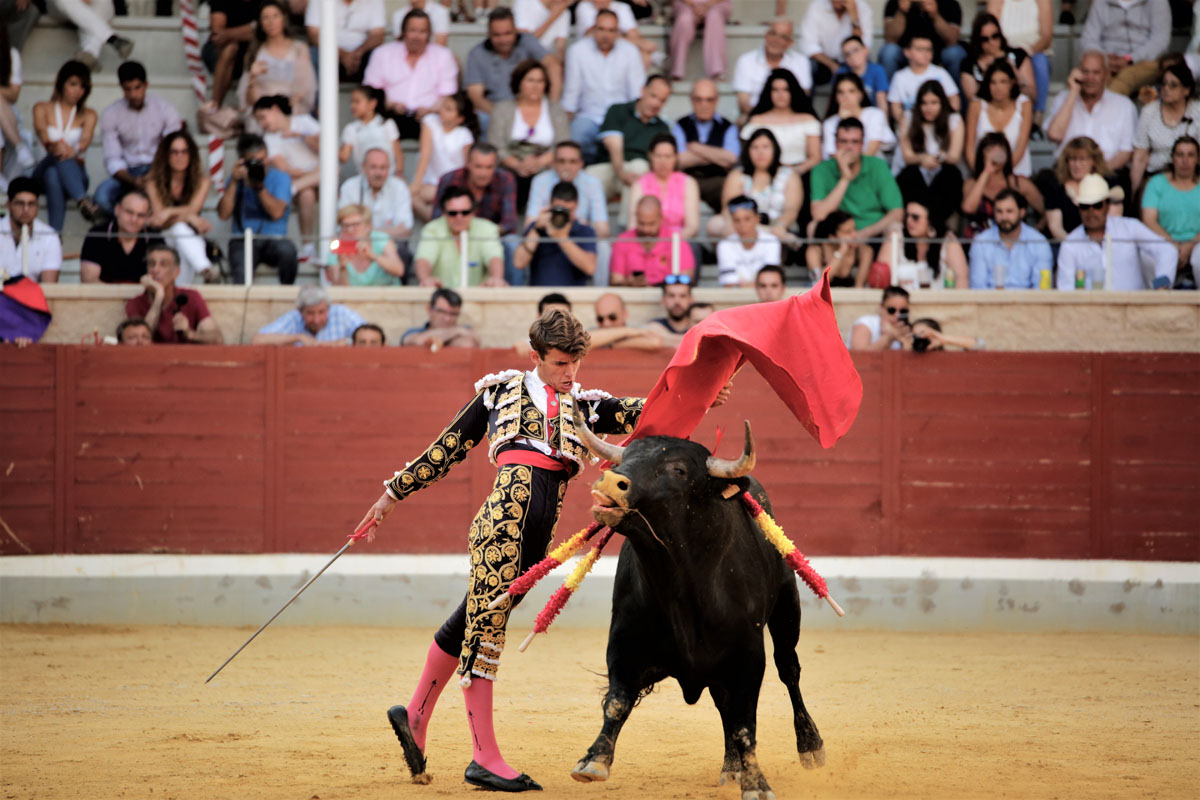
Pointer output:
758, 794
731, 777
588, 771
813, 758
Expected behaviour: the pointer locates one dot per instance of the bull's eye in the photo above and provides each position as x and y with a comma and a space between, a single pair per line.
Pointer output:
678, 470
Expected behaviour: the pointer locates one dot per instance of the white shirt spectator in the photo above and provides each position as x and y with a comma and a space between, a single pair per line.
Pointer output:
391, 206
585, 17
594, 81
447, 152
822, 31
362, 136
1110, 124
931, 146
292, 147
131, 136
439, 19
906, 83
45, 251
529, 15
751, 71
875, 326
737, 265
1132, 243
354, 20
875, 129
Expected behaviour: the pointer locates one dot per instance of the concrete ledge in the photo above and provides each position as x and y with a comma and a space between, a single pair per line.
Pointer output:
908, 594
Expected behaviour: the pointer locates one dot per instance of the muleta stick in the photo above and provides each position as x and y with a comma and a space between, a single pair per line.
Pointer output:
361, 533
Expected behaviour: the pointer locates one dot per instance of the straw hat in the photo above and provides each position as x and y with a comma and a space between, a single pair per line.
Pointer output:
1092, 189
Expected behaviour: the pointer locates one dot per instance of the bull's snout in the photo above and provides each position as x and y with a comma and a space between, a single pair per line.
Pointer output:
610, 495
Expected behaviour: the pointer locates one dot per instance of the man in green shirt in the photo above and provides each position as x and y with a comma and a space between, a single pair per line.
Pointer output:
626, 133
862, 186
439, 259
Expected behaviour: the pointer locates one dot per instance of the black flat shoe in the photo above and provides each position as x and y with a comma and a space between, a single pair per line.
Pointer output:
398, 716
486, 779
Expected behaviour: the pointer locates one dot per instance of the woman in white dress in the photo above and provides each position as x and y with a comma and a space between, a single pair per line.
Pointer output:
1029, 25
849, 99
278, 64
1001, 108
786, 111
445, 138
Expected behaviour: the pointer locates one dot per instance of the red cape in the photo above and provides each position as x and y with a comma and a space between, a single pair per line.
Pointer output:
795, 344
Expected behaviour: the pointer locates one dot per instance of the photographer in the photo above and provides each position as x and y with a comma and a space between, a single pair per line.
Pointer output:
549, 249
257, 198
927, 336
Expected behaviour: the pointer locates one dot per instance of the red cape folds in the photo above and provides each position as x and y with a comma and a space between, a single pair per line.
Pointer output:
793, 343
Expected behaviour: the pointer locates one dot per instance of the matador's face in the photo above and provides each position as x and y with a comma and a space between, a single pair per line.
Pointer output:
557, 369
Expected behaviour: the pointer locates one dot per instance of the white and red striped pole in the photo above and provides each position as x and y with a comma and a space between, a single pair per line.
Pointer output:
191, 55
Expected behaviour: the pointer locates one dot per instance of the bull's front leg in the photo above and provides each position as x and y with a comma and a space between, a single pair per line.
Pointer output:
618, 702
737, 700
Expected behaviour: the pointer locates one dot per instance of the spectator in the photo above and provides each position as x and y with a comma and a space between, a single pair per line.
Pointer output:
587, 13
551, 301
677, 192
131, 129
369, 129
676, 300
439, 20
18, 17
360, 26
626, 133
698, 312
62, 171
175, 315
927, 336
446, 137
849, 99
905, 83
1086, 108
493, 191
602, 70
257, 198
938, 22
776, 189
993, 173
442, 328
524, 129
1010, 253
1001, 108
115, 252
292, 142
278, 64
549, 21
361, 255
689, 15
1028, 25
840, 252
568, 166
1171, 204
231, 29
415, 74
827, 24
752, 68
1079, 158
439, 261
314, 321
786, 111
91, 22
1131, 36
29, 247
857, 60
987, 46
614, 331
558, 250
1107, 252
135, 333
384, 196
885, 330
648, 262
769, 284
708, 143
177, 186
862, 186
926, 162
1175, 113
929, 257
14, 152
488, 76
369, 334
748, 249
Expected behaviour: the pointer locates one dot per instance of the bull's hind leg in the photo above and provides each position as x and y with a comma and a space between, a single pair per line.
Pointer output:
784, 625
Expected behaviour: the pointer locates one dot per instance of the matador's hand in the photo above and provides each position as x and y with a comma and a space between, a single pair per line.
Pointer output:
723, 395
377, 513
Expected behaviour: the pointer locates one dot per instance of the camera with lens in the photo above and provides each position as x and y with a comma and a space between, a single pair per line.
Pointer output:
256, 171
920, 344
559, 216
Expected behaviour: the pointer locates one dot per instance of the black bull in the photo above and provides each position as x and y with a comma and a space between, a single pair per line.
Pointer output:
696, 582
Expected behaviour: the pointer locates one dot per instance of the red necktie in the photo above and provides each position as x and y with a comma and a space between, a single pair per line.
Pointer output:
551, 414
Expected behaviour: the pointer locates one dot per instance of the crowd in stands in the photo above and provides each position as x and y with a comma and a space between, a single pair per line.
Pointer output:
547, 155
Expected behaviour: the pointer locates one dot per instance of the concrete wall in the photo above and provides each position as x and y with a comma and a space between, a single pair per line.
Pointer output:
1025, 320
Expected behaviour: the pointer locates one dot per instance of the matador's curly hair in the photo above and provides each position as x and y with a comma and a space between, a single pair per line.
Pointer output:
559, 330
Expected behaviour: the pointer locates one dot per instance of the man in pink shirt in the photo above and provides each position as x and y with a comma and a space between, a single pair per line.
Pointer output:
414, 73
647, 263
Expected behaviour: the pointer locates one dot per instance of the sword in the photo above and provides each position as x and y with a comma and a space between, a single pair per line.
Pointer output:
361, 533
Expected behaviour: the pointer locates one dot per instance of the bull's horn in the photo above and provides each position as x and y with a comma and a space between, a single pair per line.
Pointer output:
598, 447
722, 468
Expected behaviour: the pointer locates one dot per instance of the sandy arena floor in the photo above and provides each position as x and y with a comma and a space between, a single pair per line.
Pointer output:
99, 712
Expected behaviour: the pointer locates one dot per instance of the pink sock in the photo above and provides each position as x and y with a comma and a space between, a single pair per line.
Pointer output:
439, 668
478, 697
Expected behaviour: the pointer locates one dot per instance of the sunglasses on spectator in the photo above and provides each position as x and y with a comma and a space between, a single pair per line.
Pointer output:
893, 310
602, 318
684, 279
911, 215
1092, 206
992, 37
457, 213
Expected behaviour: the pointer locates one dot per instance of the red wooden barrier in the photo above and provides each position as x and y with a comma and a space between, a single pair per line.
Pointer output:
245, 450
